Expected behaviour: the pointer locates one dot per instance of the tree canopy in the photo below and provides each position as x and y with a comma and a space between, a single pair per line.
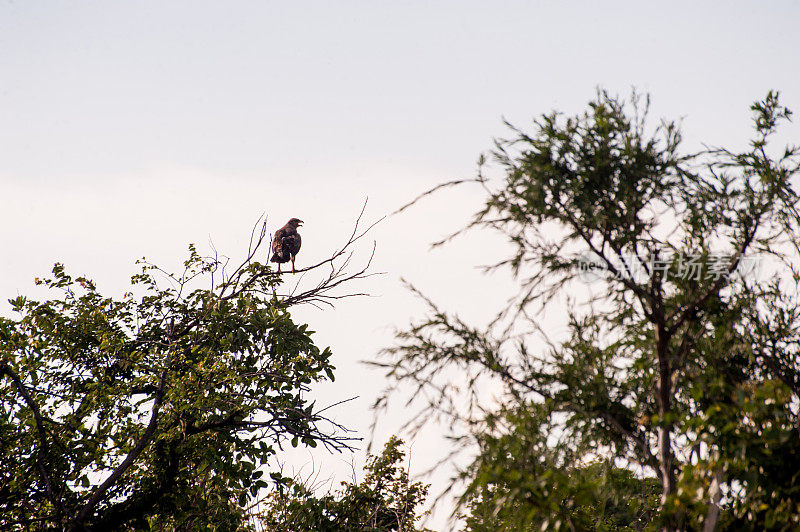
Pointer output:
680, 369
161, 408
384, 500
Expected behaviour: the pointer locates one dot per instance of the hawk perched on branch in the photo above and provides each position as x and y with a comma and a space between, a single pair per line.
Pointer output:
286, 243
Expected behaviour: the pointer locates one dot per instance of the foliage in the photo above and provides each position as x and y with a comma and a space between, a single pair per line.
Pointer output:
518, 482
679, 364
385, 500
157, 409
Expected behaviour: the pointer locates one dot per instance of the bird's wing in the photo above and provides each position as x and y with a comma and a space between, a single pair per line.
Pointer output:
277, 240
293, 242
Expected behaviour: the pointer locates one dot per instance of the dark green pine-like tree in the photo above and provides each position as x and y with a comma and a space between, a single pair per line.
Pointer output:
672, 401
159, 410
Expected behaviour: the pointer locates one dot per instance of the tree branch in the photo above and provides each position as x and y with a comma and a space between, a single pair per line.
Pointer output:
44, 447
140, 446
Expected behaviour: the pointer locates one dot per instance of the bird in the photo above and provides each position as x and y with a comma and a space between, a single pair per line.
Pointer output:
286, 243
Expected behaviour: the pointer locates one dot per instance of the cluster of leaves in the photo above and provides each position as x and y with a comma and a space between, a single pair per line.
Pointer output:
384, 500
691, 380
519, 482
154, 409
745, 391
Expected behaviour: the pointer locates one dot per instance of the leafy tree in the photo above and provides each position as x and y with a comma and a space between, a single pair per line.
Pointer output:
520, 483
679, 366
159, 409
384, 500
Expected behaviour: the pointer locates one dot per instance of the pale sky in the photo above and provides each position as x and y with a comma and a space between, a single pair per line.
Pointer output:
135, 128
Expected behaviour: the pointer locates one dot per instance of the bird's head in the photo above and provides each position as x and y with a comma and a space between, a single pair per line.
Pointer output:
295, 222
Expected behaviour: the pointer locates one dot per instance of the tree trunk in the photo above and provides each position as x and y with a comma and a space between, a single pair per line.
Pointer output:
715, 494
666, 459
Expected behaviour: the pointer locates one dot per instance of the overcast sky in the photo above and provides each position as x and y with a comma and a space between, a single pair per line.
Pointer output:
135, 128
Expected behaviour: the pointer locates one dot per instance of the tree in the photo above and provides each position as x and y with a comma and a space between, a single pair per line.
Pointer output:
680, 365
159, 409
519, 482
384, 500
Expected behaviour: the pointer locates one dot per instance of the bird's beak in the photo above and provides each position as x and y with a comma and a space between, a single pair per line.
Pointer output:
301, 222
